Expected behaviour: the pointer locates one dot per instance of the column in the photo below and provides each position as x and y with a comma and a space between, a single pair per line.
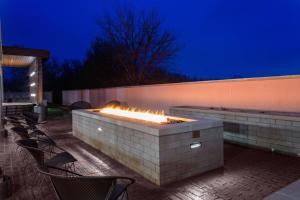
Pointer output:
39, 82
33, 81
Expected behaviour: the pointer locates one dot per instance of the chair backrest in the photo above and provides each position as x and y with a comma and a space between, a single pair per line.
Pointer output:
32, 147
82, 187
21, 131
78, 188
31, 116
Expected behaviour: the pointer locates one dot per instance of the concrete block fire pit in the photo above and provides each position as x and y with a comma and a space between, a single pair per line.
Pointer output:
162, 153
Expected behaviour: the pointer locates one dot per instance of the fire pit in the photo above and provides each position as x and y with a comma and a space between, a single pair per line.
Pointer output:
161, 148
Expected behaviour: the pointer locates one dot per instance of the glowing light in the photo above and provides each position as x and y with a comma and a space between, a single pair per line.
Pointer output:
32, 84
134, 113
33, 94
32, 74
195, 145
99, 129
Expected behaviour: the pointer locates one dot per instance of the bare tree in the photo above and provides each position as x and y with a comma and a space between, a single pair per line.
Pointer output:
143, 45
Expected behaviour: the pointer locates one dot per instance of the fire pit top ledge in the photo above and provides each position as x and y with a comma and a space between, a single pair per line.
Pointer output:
149, 127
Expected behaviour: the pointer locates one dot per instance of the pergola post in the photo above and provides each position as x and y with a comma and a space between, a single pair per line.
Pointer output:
39, 90
36, 87
33, 81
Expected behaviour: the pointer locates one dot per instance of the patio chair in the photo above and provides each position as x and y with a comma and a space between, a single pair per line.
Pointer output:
25, 132
72, 186
31, 116
54, 159
4, 121
44, 158
20, 122
20, 131
12, 121
44, 141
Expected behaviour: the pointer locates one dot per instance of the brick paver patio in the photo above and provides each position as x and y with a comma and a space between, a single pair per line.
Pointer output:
247, 174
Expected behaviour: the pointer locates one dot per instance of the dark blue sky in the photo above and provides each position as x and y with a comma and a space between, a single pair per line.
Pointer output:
221, 38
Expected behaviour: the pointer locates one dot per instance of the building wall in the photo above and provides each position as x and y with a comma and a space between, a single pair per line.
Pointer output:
280, 93
16, 97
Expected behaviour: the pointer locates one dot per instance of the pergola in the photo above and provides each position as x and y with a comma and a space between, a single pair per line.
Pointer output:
32, 58
24, 57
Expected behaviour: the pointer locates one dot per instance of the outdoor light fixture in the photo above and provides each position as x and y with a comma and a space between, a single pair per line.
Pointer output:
33, 94
99, 129
32, 84
32, 74
195, 145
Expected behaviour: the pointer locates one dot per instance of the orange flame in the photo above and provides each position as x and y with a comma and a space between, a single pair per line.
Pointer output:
134, 113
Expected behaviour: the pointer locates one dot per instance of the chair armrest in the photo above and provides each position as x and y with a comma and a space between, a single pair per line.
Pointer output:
45, 141
130, 180
60, 169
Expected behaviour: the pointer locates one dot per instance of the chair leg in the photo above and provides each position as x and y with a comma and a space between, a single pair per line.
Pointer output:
127, 196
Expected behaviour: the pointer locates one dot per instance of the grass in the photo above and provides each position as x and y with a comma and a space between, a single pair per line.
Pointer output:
54, 112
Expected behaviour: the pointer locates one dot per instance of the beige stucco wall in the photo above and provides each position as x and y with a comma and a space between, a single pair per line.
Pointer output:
280, 93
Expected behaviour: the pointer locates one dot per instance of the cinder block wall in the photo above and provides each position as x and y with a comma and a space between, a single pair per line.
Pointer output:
269, 130
159, 158
135, 149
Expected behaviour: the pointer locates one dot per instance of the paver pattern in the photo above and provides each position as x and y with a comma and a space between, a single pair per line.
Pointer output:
247, 173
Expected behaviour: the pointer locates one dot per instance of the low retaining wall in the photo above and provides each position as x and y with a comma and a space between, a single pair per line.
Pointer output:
25, 96
11, 109
269, 130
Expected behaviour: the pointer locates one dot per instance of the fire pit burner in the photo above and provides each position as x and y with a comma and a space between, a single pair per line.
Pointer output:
140, 114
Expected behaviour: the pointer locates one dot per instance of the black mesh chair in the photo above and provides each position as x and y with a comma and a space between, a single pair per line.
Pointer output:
31, 117
12, 121
72, 186
44, 157
25, 133
33, 148
21, 131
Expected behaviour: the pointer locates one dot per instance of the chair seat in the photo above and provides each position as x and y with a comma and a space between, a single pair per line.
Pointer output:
118, 190
46, 141
60, 159
37, 133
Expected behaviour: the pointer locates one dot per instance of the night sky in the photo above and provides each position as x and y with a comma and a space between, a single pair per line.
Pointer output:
221, 38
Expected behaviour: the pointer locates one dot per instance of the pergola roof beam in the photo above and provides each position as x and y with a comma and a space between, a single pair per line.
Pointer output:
17, 51
21, 57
